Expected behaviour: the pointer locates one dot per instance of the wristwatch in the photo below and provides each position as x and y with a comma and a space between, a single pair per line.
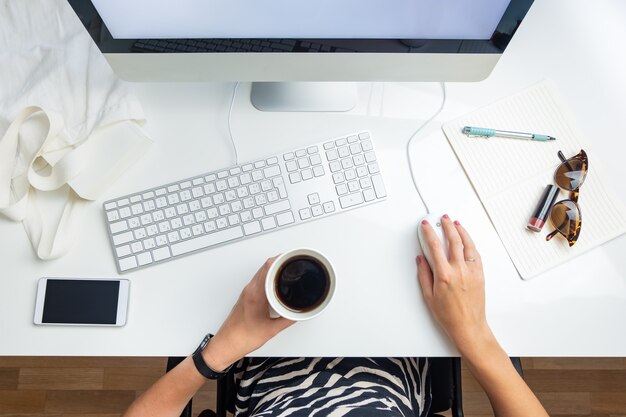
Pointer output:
201, 365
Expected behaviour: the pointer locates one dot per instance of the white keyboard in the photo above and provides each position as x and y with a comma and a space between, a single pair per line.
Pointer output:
163, 223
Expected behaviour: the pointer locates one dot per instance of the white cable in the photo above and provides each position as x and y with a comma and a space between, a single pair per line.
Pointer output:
408, 145
230, 130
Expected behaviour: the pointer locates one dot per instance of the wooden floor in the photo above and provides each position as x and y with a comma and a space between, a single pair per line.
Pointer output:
103, 387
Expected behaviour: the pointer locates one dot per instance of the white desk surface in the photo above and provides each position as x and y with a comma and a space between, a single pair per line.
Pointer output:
576, 309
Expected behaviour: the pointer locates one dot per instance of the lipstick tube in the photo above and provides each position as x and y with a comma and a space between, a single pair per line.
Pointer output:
538, 219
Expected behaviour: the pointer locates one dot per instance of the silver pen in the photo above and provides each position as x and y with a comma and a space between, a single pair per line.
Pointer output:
488, 133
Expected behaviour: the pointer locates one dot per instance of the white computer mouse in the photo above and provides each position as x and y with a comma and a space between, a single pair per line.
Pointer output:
435, 222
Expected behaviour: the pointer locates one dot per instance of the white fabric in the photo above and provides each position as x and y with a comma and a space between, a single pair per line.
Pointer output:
66, 121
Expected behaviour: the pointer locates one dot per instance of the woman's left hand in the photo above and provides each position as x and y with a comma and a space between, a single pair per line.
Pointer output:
247, 327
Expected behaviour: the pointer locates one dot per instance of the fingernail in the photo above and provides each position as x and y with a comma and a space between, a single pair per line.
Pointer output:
419, 259
458, 223
424, 221
445, 216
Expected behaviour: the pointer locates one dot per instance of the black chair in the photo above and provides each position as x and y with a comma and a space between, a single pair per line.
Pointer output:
445, 387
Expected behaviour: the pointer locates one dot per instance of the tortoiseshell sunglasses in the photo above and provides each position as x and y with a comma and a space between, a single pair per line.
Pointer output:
565, 215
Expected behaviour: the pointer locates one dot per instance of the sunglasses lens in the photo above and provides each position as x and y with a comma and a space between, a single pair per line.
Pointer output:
565, 217
571, 174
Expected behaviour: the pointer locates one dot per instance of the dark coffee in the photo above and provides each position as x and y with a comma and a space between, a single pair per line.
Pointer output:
302, 283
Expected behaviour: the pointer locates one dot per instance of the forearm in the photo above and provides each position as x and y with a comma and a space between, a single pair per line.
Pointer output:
169, 395
508, 393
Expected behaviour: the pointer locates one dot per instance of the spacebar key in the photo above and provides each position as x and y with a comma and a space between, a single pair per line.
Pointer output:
206, 241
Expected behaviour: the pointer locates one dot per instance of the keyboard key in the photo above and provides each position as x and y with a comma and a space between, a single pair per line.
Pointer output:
271, 171
307, 174
288, 156
303, 163
161, 240
317, 210
164, 227
170, 212
136, 247
350, 175
188, 219
246, 216
236, 206
144, 258
355, 149
313, 198
338, 177
272, 196
110, 206
358, 159
185, 184
361, 171
122, 238
379, 187
221, 222
230, 195
353, 186
260, 199
133, 222
205, 241
344, 152
161, 202
173, 188
152, 230
373, 168
210, 226
266, 185
329, 145
346, 163
140, 233
365, 182
113, 215
197, 229
194, 205
185, 233
222, 174
118, 227
291, 166
341, 189
125, 212
315, 159
173, 199
294, 177
312, 149
149, 243
252, 228
233, 182
197, 181
135, 199
257, 175
364, 135
332, 155
173, 236
352, 139
335, 166
329, 207
247, 167
221, 185
300, 153
160, 192
318, 171
161, 253
128, 263
259, 164
268, 223
369, 194
285, 218
351, 200
277, 207
305, 213
248, 202
123, 202
149, 205
122, 251
235, 171
340, 142
209, 188
245, 179
366, 145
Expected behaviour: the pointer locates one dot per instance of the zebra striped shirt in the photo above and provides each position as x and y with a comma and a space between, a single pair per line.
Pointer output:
363, 387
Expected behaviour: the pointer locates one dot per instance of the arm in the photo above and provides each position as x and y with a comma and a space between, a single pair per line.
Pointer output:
246, 329
454, 290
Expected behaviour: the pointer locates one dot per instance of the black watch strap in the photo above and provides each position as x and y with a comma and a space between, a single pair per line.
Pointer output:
201, 365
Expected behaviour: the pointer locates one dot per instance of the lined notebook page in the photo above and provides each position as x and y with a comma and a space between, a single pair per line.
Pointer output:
509, 176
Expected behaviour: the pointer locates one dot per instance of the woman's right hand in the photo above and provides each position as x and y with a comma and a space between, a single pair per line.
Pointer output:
453, 285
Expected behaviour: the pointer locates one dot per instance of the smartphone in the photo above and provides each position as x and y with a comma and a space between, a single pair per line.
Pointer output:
81, 302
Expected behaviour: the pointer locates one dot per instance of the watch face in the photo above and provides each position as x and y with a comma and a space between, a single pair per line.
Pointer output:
205, 342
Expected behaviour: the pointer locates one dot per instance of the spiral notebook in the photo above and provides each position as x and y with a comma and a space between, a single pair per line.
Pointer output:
510, 175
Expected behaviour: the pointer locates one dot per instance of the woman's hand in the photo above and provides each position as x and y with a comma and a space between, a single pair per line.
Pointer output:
453, 285
247, 327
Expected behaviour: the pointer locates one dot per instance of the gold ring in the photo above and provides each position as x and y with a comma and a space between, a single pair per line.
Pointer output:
470, 260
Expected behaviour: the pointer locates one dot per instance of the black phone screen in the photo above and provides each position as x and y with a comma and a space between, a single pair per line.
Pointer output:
81, 301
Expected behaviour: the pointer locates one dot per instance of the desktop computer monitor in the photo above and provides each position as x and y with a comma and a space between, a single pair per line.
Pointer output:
305, 40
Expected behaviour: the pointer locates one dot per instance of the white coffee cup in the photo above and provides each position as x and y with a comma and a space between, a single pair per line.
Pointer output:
277, 308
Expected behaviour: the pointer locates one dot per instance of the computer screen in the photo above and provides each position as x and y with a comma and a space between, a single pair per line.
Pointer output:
303, 40
344, 19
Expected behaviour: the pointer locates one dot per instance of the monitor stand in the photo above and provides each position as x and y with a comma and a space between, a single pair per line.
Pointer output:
304, 96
